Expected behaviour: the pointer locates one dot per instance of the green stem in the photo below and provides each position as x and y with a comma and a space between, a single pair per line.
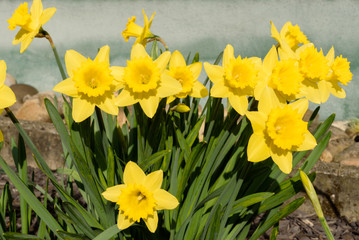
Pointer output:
326, 228
43, 34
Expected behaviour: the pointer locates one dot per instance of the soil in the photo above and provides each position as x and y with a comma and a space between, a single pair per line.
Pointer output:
296, 226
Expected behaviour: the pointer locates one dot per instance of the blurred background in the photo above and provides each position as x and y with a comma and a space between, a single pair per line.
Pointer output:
187, 26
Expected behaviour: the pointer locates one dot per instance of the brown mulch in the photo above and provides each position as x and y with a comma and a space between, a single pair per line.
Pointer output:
302, 226
296, 226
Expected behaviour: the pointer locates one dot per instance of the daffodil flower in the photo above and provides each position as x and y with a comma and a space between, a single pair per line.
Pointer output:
235, 79
282, 76
30, 23
145, 80
139, 197
290, 35
7, 96
140, 33
91, 84
187, 76
278, 130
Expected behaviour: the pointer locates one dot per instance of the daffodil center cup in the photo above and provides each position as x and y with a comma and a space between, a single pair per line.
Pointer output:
313, 65
93, 78
142, 75
136, 202
286, 78
21, 18
240, 73
286, 128
184, 76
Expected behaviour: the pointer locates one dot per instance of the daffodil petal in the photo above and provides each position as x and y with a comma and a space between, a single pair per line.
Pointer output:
1, 137
177, 60
239, 103
81, 109
337, 91
20, 36
270, 60
283, 160
275, 33
109, 106
118, 73
104, 54
330, 55
2, 72
73, 61
125, 99
170, 99
26, 41
268, 101
168, 86
46, 15
7, 97
165, 200
258, 120
36, 9
198, 90
150, 105
300, 105
215, 73
153, 180
196, 69
308, 143
123, 222
218, 90
257, 149
138, 51
133, 174
112, 193
151, 222
323, 90
228, 55
67, 87
163, 60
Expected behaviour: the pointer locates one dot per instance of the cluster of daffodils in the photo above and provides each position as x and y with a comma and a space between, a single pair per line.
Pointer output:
293, 73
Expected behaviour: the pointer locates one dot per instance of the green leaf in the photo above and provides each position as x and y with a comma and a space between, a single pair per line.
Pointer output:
72, 236
108, 233
20, 236
31, 199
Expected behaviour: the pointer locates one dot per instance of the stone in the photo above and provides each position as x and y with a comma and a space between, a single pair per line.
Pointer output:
9, 80
42, 134
350, 155
34, 109
21, 90
326, 156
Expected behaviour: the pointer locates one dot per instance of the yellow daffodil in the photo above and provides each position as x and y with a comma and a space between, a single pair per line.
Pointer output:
7, 96
140, 33
339, 74
278, 130
187, 76
289, 35
30, 23
139, 197
235, 79
91, 84
145, 80
282, 76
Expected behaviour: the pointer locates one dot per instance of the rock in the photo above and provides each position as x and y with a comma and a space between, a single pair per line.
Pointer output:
21, 90
34, 109
349, 156
326, 156
9, 80
339, 141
